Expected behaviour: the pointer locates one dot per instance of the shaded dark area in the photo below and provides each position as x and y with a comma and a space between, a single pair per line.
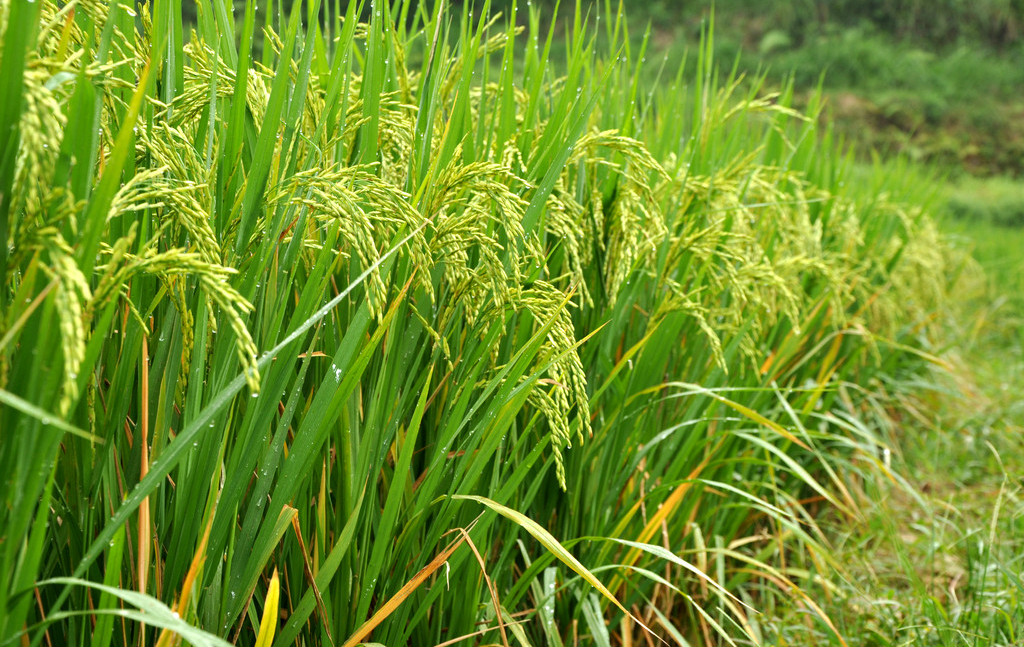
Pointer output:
998, 23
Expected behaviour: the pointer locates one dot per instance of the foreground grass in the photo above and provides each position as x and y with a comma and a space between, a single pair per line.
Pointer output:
937, 560
428, 353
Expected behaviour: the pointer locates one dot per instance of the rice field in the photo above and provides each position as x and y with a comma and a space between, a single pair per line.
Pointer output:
391, 328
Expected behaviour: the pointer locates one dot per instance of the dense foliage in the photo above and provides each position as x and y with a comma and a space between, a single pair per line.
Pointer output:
940, 23
378, 319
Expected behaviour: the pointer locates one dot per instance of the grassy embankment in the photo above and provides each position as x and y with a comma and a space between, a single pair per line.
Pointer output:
356, 341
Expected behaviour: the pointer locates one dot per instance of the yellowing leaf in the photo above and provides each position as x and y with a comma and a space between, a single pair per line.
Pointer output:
268, 624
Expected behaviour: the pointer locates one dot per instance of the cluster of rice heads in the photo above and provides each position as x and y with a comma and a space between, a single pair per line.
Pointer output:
396, 306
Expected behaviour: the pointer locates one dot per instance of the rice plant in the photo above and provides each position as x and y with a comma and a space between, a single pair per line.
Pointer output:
404, 332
